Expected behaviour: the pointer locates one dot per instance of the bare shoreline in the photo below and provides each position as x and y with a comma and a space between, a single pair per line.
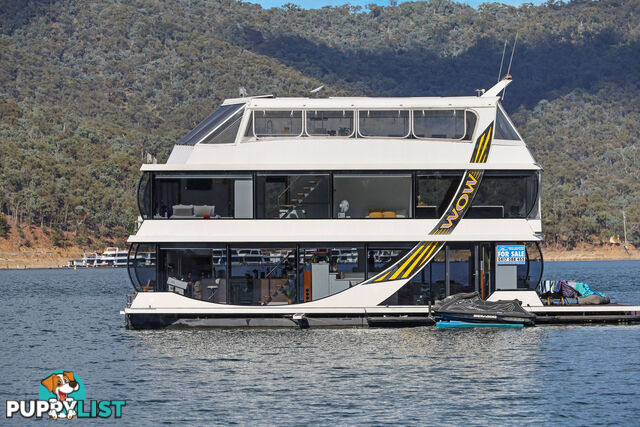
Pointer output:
32, 261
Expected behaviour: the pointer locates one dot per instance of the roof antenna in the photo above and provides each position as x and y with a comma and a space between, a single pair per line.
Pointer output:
316, 90
513, 50
504, 49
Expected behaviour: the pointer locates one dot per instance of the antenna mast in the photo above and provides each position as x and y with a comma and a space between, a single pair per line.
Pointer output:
504, 49
513, 50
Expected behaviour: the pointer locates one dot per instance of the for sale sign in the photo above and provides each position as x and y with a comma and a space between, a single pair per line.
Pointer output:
510, 254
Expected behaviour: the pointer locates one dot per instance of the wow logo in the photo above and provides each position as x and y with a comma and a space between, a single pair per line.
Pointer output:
62, 395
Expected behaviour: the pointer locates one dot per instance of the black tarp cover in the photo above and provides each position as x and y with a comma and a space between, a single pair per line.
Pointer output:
471, 304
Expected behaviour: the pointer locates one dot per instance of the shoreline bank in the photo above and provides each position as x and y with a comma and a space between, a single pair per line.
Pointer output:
48, 260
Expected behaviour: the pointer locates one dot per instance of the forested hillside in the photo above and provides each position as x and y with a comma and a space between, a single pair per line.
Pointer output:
87, 88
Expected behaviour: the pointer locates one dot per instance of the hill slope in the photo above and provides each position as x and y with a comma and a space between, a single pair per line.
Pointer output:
87, 88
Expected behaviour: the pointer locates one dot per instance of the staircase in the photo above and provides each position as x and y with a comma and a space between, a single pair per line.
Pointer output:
295, 204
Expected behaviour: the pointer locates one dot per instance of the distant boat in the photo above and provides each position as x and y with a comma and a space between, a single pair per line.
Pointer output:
113, 257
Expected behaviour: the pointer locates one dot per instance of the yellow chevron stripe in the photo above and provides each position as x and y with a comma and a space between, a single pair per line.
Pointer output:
408, 272
430, 252
475, 160
380, 279
397, 273
486, 143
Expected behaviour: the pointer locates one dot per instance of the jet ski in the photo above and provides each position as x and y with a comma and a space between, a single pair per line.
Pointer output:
470, 308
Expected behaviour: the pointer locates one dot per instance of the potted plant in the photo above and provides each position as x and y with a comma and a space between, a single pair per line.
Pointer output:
290, 293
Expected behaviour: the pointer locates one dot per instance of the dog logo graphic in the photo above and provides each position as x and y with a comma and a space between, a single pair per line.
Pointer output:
62, 385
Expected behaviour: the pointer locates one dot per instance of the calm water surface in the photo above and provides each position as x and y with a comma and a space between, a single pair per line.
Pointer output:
573, 375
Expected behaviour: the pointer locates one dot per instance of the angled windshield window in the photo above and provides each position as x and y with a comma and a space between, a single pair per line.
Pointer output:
209, 124
226, 133
504, 130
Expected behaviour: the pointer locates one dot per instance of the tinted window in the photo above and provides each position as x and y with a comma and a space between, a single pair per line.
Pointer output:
505, 195
371, 196
389, 123
441, 124
504, 130
292, 196
209, 124
202, 196
434, 191
277, 123
226, 133
330, 123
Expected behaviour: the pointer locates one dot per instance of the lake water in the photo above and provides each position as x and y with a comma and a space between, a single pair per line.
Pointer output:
572, 375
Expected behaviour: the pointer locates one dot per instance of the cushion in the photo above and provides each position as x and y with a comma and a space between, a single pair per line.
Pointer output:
203, 210
389, 214
375, 214
183, 210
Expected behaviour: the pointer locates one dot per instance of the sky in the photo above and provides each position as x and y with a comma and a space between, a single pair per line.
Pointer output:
313, 4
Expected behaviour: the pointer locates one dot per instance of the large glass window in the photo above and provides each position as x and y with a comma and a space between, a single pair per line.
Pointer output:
326, 270
195, 272
292, 196
382, 256
505, 195
209, 124
504, 130
371, 196
142, 267
263, 276
428, 285
434, 191
277, 123
530, 274
443, 124
461, 268
203, 196
384, 123
330, 123
144, 195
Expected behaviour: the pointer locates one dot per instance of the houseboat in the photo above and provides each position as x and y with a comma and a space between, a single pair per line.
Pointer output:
335, 211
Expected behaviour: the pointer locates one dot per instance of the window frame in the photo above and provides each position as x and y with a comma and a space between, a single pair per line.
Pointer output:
422, 138
410, 117
264, 110
351, 135
235, 139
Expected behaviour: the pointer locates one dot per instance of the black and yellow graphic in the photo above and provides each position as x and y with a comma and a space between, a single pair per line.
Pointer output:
424, 252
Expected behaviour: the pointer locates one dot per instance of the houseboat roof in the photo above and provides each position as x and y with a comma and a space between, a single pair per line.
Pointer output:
364, 102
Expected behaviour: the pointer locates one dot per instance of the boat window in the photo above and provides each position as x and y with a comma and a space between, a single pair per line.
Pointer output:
210, 124
372, 196
530, 273
505, 195
144, 195
381, 258
428, 285
142, 267
384, 123
277, 123
226, 133
504, 130
263, 276
195, 272
461, 268
434, 191
292, 196
443, 124
326, 269
330, 123
198, 196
